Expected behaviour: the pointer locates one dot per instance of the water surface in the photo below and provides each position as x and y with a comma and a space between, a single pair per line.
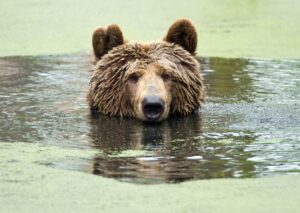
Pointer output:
248, 127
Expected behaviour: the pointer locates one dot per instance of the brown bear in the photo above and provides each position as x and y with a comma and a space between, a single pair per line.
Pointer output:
147, 81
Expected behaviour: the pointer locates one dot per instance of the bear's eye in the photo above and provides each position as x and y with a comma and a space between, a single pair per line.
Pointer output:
165, 77
133, 78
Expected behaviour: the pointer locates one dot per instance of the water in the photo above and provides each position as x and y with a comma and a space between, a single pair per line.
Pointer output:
248, 127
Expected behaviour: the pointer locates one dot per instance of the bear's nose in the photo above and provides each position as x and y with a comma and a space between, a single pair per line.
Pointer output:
153, 107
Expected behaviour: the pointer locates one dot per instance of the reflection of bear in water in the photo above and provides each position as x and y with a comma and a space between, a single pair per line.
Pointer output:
148, 81
114, 134
177, 151
174, 137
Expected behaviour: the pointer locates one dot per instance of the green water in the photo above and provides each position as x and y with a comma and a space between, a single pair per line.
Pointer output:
28, 186
227, 28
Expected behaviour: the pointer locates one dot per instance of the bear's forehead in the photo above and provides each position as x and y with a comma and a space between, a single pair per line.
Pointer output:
139, 55
149, 51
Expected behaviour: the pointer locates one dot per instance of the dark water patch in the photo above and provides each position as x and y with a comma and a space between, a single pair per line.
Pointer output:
43, 99
248, 127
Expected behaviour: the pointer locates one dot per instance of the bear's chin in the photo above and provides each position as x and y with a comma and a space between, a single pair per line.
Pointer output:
151, 120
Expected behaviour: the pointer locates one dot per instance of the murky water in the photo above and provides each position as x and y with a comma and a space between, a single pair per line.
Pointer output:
248, 127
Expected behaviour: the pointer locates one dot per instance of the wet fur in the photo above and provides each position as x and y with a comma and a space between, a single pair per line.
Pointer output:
108, 92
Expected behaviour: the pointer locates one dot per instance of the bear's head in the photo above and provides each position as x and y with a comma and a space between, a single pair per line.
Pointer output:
148, 81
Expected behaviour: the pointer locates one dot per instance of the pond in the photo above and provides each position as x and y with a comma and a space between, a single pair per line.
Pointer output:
247, 128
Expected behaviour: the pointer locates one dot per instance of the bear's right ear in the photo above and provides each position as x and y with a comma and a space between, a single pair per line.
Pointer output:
104, 39
184, 34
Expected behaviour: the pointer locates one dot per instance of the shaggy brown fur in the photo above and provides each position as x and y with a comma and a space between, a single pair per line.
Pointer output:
120, 62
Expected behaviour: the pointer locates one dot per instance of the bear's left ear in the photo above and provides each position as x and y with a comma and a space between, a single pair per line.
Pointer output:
104, 39
183, 33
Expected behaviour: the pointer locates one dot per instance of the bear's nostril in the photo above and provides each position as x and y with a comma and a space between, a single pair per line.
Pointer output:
153, 107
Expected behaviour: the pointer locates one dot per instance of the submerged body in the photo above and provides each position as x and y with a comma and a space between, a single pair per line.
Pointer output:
147, 81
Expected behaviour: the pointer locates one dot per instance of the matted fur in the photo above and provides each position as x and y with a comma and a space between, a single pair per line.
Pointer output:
108, 92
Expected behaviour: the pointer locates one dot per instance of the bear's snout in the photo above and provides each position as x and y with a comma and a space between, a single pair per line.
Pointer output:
153, 107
